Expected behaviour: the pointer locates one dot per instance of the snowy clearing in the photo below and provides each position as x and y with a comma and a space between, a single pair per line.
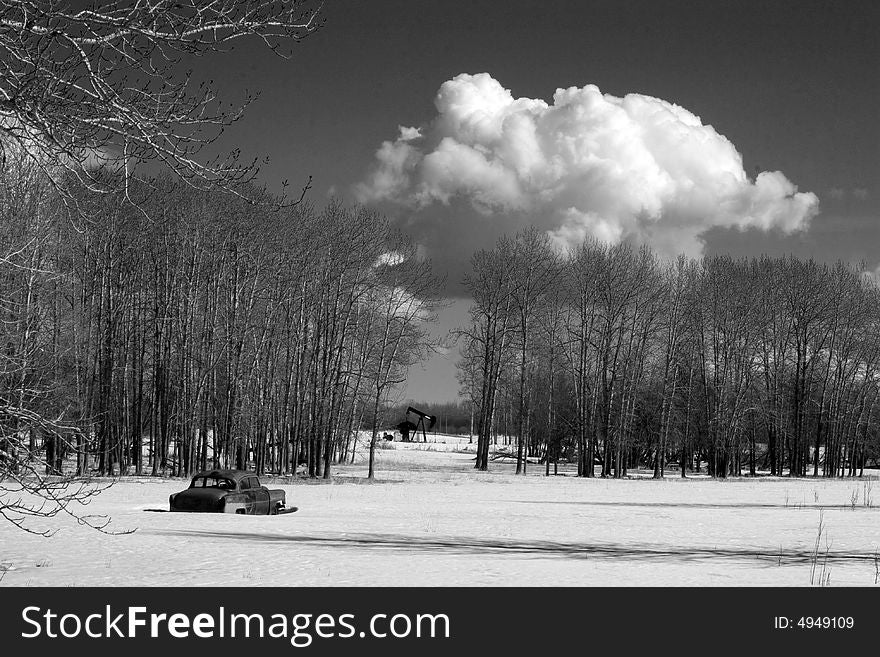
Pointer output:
430, 520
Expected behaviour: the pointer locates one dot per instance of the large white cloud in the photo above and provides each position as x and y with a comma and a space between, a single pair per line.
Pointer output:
589, 164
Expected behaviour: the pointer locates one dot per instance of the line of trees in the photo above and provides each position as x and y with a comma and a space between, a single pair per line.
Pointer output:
195, 330
615, 359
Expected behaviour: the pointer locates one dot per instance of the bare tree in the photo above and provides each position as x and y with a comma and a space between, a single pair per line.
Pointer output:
492, 322
87, 90
534, 275
676, 276
35, 433
468, 381
397, 311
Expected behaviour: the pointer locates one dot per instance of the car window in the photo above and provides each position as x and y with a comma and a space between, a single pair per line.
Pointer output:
254, 482
245, 483
213, 482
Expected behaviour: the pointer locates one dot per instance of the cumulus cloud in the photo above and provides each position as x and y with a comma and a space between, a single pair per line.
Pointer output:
587, 164
872, 275
390, 259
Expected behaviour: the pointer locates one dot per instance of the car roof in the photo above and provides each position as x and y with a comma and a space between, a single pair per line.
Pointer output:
235, 475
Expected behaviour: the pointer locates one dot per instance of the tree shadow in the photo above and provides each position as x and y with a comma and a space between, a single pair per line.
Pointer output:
700, 505
528, 548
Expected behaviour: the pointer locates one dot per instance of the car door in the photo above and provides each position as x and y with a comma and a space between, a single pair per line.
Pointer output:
261, 497
247, 492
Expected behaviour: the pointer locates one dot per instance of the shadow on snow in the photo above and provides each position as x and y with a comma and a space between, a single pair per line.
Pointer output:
705, 505
470, 545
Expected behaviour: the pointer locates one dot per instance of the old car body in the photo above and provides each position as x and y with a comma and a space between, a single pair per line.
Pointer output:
228, 491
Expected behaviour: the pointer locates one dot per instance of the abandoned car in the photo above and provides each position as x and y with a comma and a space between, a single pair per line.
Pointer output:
229, 491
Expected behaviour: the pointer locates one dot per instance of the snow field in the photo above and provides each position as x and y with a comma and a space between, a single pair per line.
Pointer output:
430, 520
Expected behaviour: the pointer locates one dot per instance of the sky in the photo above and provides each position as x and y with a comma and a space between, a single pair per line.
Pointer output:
698, 127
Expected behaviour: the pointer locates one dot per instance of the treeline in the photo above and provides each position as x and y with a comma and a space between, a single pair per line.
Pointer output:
612, 358
189, 330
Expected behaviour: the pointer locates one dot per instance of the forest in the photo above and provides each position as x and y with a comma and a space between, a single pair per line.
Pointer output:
194, 329
615, 358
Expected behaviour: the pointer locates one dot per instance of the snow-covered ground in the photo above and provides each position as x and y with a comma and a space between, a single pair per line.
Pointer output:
430, 520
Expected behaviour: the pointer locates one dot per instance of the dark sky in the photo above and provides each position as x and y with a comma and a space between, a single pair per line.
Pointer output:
795, 86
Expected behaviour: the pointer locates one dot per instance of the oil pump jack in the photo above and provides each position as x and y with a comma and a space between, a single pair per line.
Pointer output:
408, 426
